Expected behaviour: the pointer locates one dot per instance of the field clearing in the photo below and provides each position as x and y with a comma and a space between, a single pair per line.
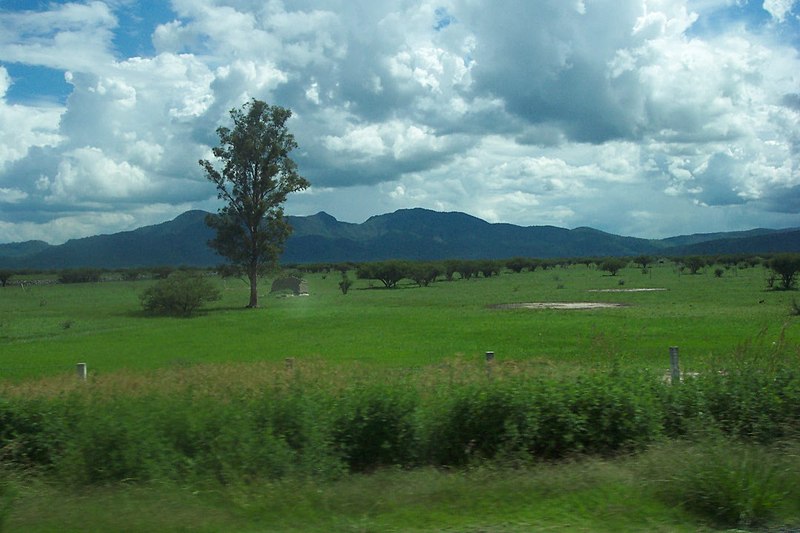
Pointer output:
46, 330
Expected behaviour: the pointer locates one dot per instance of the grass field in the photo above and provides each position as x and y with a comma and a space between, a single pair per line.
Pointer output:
45, 330
423, 341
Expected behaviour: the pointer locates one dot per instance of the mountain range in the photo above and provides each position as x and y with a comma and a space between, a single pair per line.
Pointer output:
405, 234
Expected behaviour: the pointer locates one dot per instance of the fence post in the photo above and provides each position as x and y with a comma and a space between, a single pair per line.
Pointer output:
674, 365
82, 372
489, 364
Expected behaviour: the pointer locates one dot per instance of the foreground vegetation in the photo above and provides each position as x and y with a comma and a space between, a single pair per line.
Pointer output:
717, 450
376, 409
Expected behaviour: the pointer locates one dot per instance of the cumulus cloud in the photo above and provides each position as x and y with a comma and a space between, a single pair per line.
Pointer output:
23, 127
604, 113
67, 36
778, 8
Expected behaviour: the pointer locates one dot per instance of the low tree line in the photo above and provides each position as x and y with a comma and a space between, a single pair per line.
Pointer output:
784, 268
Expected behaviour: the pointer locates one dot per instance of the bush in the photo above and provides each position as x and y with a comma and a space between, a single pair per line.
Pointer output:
345, 283
307, 427
5, 275
423, 273
612, 266
785, 267
388, 272
694, 264
181, 294
477, 422
374, 427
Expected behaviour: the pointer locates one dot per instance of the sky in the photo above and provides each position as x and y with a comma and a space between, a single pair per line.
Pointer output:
645, 118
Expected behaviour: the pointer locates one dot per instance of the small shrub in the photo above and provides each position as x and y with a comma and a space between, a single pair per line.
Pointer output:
181, 294
345, 283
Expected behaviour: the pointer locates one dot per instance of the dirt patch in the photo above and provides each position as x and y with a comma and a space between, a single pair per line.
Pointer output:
558, 305
627, 290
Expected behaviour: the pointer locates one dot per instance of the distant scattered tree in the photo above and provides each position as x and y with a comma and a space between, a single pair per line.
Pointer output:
643, 261
80, 275
387, 272
161, 272
694, 263
5, 275
547, 264
181, 294
450, 269
345, 283
518, 264
489, 268
131, 274
785, 267
613, 265
256, 178
423, 273
467, 269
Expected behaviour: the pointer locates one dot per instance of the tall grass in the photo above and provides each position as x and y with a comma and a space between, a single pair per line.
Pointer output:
268, 421
249, 425
727, 482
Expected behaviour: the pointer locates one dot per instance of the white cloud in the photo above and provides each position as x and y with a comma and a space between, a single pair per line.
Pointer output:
12, 196
778, 8
68, 36
23, 127
87, 175
568, 113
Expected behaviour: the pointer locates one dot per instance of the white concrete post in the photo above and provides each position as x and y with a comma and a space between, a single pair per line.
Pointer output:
674, 365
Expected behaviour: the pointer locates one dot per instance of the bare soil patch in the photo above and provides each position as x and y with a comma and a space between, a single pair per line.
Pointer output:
629, 290
558, 305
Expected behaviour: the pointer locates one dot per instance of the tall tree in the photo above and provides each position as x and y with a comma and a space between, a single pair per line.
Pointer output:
256, 177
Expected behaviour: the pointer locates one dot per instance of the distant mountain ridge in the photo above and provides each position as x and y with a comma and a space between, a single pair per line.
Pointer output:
405, 234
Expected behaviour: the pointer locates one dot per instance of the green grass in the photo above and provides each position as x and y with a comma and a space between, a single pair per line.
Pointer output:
46, 330
595, 496
651, 492
430, 339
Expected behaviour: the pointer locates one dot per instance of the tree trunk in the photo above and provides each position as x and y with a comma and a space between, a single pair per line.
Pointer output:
253, 275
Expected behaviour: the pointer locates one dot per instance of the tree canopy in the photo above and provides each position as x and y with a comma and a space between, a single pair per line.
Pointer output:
256, 177
786, 266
